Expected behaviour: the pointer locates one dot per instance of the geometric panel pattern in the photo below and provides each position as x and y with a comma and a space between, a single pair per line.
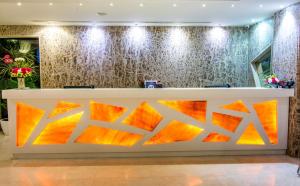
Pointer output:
175, 131
104, 136
147, 118
250, 137
106, 113
194, 109
28, 118
63, 107
226, 121
58, 132
215, 137
238, 106
144, 117
267, 114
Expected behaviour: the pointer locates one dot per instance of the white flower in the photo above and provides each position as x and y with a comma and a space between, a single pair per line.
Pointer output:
19, 59
277, 80
269, 80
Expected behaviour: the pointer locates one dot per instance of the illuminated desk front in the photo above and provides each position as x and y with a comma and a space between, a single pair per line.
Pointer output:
147, 122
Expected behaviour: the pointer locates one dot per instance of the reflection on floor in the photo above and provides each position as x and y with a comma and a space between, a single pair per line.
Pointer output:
175, 171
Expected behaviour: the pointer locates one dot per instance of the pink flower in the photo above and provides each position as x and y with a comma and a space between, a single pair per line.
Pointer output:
8, 60
7, 57
270, 80
15, 70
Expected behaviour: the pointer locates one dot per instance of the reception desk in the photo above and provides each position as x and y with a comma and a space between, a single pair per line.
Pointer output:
147, 122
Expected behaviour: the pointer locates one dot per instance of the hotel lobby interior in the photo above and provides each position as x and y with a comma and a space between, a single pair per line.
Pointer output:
149, 92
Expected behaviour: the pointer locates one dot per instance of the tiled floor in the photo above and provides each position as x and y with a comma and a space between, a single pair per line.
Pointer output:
192, 171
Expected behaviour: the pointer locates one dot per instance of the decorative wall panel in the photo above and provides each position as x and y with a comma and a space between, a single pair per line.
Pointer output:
225, 121
250, 137
194, 109
63, 107
217, 138
238, 106
114, 57
175, 131
104, 136
28, 118
104, 112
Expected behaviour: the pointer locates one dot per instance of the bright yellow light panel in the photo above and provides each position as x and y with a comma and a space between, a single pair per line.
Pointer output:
63, 107
144, 117
175, 131
194, 109
267, 114
58, 132
226, 121
216, 138
104, 136
238, 106
106, 113
250, 137
28, 118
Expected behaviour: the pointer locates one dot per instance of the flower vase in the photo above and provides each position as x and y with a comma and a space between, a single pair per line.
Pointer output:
21, 83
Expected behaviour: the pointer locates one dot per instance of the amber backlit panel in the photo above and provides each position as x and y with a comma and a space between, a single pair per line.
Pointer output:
226, 121
104, 136
28, 118
195, 109
237, 106
144, 117
267, 114
250, 137
58, 132
175, 132
215, 137
63, 107
106, 113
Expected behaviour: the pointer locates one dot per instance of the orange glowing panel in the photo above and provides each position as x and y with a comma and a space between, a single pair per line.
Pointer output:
215, 137
106, 113
144, 117
226, 121
237, 106
175, 131
194, 109
58, 132
267, 114
28, 118
63, 107
250, 137
103, 136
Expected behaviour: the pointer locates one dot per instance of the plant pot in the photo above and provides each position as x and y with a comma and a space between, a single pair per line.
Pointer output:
21, 83
4, 126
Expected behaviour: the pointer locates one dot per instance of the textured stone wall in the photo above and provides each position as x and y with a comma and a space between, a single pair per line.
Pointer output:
286, 63
126, 56
260, 37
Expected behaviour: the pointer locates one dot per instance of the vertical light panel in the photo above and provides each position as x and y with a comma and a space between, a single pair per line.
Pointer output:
144, 117
267, 114
63, 107
106, 113
226, 121
194, 109
58, 132
250, 137
104, 136
175, 131
28, 118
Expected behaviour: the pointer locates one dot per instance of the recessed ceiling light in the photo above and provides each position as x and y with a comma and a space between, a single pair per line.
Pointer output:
111, 4
252, 20
233, 5
281, 6
101, 13
141, 5
203, 5
174, 5
80, 4
261, 5
19, 4
50, 4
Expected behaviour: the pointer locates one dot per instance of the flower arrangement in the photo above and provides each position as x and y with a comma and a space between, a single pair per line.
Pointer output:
274, 82
21, 72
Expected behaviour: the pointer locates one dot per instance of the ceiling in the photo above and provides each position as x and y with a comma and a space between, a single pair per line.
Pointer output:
127, 12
